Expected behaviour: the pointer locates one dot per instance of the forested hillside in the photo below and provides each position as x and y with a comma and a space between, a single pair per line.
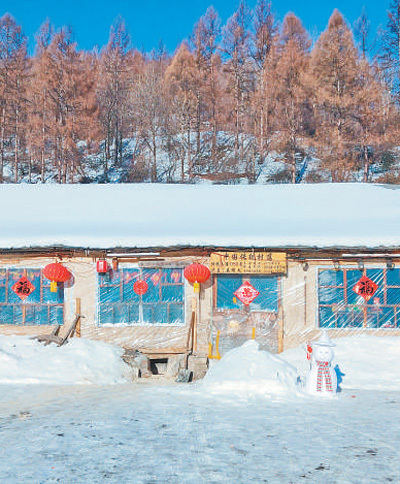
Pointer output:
255, 100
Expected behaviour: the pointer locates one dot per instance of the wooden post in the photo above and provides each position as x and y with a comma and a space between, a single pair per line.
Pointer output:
189, 343
280, 336
280, 330
194, 311
78, 311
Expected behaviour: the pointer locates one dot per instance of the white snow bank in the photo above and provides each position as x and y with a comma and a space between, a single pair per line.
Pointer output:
248, 369
365, 362
158, 215
23, 360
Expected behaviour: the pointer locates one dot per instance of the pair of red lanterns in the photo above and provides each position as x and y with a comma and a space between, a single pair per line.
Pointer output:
195, 273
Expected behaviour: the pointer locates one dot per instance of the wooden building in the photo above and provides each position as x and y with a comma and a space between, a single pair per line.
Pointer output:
285, 261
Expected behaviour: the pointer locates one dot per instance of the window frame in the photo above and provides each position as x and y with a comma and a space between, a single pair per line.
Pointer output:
247, 277
140, 268
24, 304
364, 308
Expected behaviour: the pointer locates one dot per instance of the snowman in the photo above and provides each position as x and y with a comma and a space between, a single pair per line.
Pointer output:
322, 379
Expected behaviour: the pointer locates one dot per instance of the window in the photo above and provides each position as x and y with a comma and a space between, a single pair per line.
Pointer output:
341, 307
41, 306
267, 286
163, 303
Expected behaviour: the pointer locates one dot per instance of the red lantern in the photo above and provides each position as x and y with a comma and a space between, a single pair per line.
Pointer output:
56, 272
196, 274
102, 266
140, 287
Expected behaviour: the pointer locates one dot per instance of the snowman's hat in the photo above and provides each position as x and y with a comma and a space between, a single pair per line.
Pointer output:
324, 340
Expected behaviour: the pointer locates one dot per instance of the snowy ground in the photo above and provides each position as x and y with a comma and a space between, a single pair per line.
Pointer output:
247, 422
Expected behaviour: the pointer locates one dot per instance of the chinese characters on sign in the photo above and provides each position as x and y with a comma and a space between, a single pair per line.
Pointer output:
23, 288
365, 288
248, 263
246, 293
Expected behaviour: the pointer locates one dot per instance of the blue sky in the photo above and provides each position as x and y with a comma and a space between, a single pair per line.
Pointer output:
171, 21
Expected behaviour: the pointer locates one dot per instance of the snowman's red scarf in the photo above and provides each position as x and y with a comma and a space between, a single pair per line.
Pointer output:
323, 372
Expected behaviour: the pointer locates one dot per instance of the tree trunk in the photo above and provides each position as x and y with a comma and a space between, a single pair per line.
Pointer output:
198, 122
154, 161
16, 158
189, 153
30, 167
3, 127
16, 146
116, 143
366, 164
293, 168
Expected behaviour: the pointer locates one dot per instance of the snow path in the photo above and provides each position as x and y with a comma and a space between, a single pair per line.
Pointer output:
155, 433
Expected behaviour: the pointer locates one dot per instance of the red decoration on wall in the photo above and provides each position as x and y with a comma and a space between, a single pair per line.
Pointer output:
56, 272
197, 274
102, 266
23, 288
140, 287
309, 351
365, 288
246, 293
176, 276
155, 278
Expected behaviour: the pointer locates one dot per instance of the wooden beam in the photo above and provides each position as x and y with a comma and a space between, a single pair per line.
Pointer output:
78, 311
160, 352
194, 327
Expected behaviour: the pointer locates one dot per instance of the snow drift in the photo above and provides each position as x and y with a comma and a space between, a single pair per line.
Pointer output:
363, 362
247, 369
23, 360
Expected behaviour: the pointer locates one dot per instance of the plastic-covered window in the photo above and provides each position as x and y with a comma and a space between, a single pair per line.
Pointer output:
162, 303
26, 299
267, 286
341, 307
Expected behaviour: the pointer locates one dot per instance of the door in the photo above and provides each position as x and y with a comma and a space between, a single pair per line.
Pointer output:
237, 319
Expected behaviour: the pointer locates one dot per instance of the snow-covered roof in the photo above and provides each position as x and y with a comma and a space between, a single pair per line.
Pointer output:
155, 215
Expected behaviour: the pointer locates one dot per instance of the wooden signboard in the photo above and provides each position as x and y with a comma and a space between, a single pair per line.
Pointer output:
248, 263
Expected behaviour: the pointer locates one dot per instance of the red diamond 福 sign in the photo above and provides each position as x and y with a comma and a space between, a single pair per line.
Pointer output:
246, 293
23, 288
365, 288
